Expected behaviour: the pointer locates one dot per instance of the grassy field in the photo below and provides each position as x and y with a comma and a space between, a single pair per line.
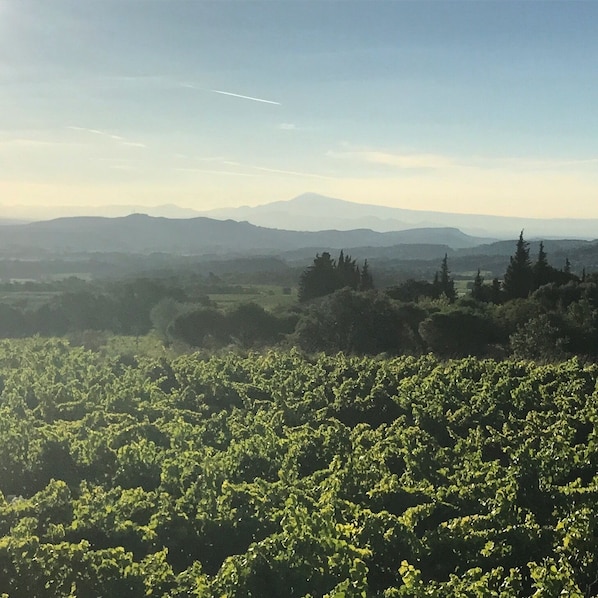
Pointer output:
267, 296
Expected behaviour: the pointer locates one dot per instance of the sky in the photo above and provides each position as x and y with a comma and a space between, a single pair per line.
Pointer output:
486, 107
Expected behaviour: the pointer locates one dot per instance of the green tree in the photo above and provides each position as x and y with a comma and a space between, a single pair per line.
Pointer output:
412, 290
347, 272
477, 290
200, 327
519, 275
567, 268
538, 339
458, 332
352, 321
251, 324
366, 282
326, 275
495, 291
443, 281
541, 270
319, 279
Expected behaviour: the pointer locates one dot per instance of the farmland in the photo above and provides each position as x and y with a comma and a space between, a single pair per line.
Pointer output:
280, 474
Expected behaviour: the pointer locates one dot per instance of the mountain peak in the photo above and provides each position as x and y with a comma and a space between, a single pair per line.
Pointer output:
315, 199
312, 212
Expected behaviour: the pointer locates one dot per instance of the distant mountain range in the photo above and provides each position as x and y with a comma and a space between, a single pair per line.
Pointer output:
139, 233
316, 212
312, 212
100, 245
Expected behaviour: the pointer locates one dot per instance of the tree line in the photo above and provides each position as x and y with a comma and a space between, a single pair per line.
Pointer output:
536, 311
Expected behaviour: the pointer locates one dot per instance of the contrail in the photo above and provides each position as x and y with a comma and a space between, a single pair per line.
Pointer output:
97, 132
236, 95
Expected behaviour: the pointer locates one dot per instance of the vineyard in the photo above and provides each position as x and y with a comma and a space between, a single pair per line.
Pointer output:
276, 474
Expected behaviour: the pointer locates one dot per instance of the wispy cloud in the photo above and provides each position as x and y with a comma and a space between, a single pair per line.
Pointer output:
96, 132
288, 127
210, 171
432, 161
30, 143
531, 164
192, 158
122, 164
188, 85
234, 168
292, 172
238, 95
402, 161
122, 140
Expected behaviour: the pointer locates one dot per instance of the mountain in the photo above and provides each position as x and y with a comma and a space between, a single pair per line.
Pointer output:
24, 213
313, 212
139, 233
316, 212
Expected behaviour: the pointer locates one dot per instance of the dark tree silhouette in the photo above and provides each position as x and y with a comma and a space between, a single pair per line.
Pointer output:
326, 275
542, 272
519, 275
567, 269
347, 272
443, 281
495, 291
319, 279
366, 282
477, 290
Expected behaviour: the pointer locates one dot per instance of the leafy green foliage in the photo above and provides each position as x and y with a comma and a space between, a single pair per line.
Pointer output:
327, 275
276, 474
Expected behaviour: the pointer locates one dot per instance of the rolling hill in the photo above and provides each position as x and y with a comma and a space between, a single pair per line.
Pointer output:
311, 211
140, 233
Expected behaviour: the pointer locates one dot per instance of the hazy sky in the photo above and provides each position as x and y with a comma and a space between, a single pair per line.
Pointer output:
477, 106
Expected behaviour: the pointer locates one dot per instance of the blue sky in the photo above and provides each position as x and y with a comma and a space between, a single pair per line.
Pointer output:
483, 107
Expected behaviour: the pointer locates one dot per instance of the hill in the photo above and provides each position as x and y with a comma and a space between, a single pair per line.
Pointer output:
311, 211
139, 233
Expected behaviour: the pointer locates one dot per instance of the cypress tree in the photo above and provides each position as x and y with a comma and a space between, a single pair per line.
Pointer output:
567, 269
477, 290
366, 281
519, 276
495, 292
541, 269
319, 279
444, 282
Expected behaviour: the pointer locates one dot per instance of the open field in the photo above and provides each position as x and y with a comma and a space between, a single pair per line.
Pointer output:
267, 296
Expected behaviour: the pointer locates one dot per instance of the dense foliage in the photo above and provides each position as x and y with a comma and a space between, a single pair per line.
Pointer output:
280, 475
327, 275
537, 312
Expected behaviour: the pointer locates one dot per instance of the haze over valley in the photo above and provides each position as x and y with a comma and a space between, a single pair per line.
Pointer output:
314, 212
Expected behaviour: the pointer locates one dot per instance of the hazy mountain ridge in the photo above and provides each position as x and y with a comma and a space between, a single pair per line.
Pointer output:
139, 233
113, 246
314, 212
311, 212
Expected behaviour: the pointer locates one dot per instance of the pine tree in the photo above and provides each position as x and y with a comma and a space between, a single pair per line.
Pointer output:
325, 276
319, 279
567, 269
477, 290
495, 291
541, 269
519, 275
366, 282
443, 281
347, 272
